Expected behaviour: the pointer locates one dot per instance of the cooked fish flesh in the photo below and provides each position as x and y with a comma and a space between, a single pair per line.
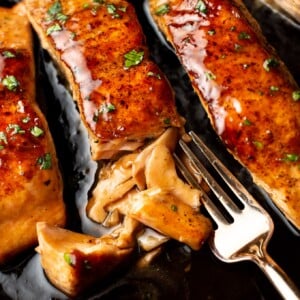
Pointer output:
165, 203
31, 188
126, 103
249, 95
122, 96
74, 261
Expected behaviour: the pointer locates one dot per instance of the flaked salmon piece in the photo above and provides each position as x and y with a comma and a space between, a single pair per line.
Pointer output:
31, 188
249, 95
74, 262
123, 97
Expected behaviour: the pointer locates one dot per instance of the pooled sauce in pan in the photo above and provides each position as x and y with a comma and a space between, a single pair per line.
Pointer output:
166, 278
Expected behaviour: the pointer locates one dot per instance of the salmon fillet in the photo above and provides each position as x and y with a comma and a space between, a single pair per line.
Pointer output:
122, 96
250, 97
31, 186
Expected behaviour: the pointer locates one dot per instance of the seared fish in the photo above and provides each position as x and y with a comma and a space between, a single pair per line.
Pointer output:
31, 186
250, 97
123, 97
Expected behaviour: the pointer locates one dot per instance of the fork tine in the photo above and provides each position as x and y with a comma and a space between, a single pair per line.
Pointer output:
208, 204
236, 187
230, 206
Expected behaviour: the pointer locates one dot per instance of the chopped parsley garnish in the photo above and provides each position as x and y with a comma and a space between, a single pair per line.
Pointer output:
167, 121
55, 8
259, 145
244, 36
152, 74
174, 207
201, 7
133, 58
45, 161
247, 122
292, 157
111, 9
10, 82
55, 12
106, 108
274, 88
36, 131
211, 32
270, 63
296, 95
3, 137
237, 47
54, 28
70, 259
162, 9
210, 75
25, 120
16, 129
8, 54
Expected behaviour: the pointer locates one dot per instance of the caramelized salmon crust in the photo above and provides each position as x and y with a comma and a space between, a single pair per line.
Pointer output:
31, 186
248, 93
123, 97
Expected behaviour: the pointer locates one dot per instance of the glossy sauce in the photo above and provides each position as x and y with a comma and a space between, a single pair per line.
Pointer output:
20, 148
92, 43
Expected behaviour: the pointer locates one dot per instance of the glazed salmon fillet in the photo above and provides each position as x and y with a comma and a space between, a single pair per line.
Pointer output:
122, 96
31, 187
250, 97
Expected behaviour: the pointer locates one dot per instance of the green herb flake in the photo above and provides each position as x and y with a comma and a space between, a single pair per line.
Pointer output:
107, 108
210, 75
70, 259
1, 147
133, 58
8, 54
201, 7
36, 131
296, 95
10, 82
152, 74
167, 121
270, 63
247, 122
3, 137
45, 161
15, 129
112, 9
259, 145
55, 8
211, 32
54, 28
244, 36
291, 157
162, 9
274, 88
122, 8
174, 207
25, 120
237, 47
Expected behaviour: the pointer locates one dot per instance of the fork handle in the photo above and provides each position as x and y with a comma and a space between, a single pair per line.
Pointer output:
284, 285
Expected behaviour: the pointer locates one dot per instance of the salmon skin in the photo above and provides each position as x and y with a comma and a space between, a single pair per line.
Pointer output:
249, 95
31, 188
123, 97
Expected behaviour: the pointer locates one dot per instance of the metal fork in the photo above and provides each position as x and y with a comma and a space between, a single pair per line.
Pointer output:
247, 236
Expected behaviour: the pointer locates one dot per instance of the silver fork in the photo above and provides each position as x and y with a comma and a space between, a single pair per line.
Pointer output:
245, 238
